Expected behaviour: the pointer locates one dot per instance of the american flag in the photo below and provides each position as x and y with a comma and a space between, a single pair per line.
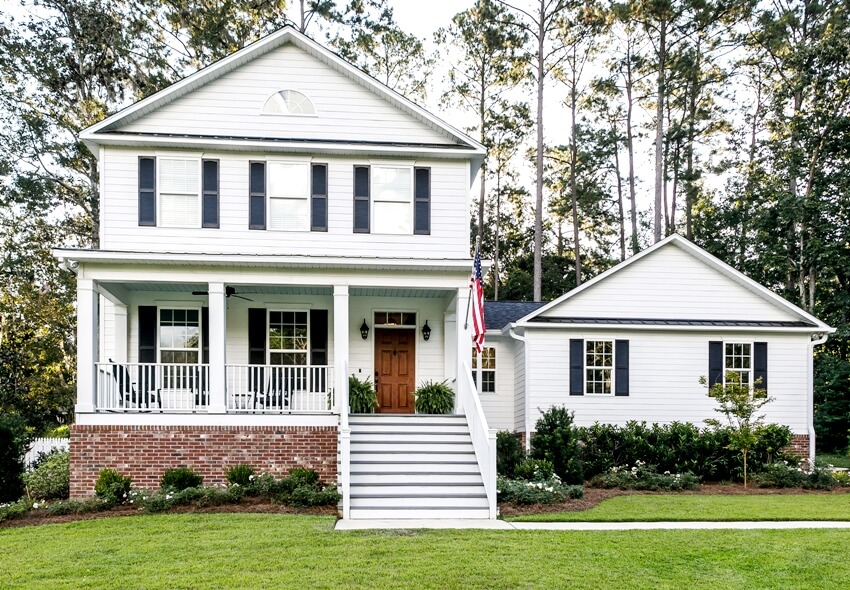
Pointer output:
477, 294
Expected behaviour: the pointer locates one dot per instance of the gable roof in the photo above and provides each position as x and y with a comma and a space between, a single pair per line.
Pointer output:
498, 314
806, 321
109, 129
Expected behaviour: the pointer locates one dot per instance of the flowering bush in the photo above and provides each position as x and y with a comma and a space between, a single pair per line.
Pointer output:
535, 470
240, 474
842, 478
641, 476
51, 478
112, 486
12, 510
779, 475
551, 491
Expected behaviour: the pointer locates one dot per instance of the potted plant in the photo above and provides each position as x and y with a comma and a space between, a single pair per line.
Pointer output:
434, 398
362, 398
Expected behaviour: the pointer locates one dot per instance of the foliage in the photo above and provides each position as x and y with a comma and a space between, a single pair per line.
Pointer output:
832, 402
548, 491
434, 397
11, 510
180, 478
362, 398
200, 496
555, 440
641, 476
842, 478
740, 405
112, 486
240, 474
78, 506
534, 470
63, 431
820, 477
509, 453
779, 475
11, 466
50, 479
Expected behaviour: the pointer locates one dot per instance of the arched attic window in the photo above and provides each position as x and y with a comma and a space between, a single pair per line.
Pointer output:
288, 102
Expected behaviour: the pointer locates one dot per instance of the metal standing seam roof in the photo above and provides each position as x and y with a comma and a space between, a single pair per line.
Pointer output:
673, 322
498, 314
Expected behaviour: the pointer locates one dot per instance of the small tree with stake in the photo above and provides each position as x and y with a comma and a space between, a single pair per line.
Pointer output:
740, 404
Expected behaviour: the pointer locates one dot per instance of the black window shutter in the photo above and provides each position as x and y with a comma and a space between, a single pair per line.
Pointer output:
318, 336
205, 335
361, 199
760, 365
257, 196
147, 191
422, 201
576, 366
148, 324
715, 363
256, 336
621, 367
209, 203
319, 198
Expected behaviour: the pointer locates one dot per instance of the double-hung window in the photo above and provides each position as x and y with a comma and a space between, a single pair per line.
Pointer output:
288, 186
392, 199
288, 338
599, 367
484, 369
738, 358
179, 344
179, 192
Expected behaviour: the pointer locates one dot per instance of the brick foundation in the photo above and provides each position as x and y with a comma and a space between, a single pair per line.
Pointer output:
799, 446
145, 452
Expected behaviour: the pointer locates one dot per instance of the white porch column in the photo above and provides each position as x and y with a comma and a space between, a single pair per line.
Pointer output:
88, 335
464, 339
341, 335
120, 314
450, 342
218, 347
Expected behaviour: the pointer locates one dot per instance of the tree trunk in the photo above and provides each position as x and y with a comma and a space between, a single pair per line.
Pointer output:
690, 186
573, 161
620, 209
631, 149
498, 225
659, 128
538, 203
482, 114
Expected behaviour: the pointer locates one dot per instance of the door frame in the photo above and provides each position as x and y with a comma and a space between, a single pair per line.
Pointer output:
415, 357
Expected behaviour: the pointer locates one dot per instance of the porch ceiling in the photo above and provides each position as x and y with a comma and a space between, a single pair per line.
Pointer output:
393, 292
291, 290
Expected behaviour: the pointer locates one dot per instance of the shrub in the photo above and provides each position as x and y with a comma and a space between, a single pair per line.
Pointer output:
78, 506
63, 431
556, 441
301, 476
820, 478
842, 478
508, 453
362, 398
240, 475
11, 466
534, 470
552, 491
645, 477
180, 478
306, 496
772, 440
51, 478
779, 475
434, 398
15, 509
112, 486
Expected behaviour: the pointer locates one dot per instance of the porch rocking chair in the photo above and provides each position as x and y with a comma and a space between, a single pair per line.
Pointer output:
127, 394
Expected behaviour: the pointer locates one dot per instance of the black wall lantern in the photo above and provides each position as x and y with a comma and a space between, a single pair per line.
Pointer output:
364, 330
426, 331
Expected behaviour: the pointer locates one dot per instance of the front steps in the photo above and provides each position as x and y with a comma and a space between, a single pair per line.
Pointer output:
414, 467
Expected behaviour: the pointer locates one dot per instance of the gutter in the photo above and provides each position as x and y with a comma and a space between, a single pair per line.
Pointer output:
527, 347
810, 406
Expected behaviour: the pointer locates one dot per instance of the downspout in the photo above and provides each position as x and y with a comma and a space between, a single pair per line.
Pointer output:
810, 406
527, 425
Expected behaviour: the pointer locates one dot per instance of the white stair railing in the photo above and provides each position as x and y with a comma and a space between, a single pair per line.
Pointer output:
483, 438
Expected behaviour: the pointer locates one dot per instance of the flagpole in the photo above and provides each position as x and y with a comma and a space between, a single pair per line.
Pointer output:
469, 299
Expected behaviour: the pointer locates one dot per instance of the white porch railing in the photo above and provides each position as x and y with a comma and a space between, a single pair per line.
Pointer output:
154, 387
483, 438
280, 389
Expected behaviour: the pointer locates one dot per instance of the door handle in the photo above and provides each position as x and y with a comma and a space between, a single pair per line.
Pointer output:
376, 377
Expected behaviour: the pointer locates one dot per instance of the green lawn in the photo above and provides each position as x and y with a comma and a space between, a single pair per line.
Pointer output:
281, 551
708, 507
836, 460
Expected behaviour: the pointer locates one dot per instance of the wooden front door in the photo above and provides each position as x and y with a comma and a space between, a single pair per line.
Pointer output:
395, 366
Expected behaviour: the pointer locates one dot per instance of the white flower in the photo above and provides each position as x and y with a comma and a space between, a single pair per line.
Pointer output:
35, 504
666, 473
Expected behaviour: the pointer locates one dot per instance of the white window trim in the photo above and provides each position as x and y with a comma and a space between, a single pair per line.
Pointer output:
373, 200
200, 350
269, 351
751, 370
277, 93
300, 161
613, 367
159, 199
479, 371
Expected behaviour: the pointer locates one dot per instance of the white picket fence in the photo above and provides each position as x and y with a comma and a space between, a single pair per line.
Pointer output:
44, 445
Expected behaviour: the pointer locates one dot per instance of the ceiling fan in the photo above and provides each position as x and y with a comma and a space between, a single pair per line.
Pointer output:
228, 292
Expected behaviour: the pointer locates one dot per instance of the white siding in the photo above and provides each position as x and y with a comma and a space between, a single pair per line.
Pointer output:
107, 330
499, 406
231, 106
670, 283
519, 387
664, 373
120, 229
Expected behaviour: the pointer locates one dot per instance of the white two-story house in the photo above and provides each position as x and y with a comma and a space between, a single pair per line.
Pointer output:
269, 226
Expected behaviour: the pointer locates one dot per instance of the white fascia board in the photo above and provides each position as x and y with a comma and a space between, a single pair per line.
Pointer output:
669, 328
703, 256
317, 146
104, 256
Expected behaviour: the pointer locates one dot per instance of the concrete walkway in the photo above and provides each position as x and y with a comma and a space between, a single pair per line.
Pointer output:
355, 525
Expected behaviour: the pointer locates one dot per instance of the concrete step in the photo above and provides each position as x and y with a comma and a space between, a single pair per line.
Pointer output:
420, 513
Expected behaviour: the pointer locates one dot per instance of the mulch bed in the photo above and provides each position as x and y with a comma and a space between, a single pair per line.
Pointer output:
593, 496
258, 505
